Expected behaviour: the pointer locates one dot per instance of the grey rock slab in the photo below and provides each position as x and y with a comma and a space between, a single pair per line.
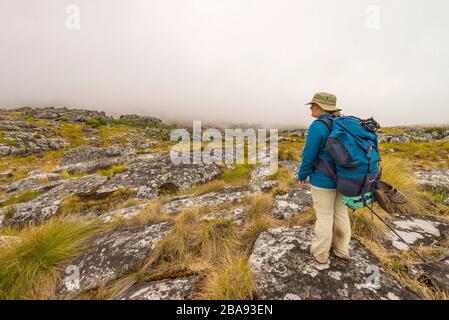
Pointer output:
416, 229
113, 255
167, 289
47, 204
284, 269
292, 203
150, 175
231, 195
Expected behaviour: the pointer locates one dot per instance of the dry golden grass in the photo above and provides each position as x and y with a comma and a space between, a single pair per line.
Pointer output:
232, 280
151, 214
82, 204
397, 265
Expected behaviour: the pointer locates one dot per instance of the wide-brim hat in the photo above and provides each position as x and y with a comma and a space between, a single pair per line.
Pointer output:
327, 101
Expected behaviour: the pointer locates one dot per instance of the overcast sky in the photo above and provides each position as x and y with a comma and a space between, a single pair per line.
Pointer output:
243, 61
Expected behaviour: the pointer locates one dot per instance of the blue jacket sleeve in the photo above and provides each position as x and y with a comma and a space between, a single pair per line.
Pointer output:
316, 136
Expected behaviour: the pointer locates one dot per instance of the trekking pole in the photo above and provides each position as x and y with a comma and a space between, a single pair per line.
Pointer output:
394, 231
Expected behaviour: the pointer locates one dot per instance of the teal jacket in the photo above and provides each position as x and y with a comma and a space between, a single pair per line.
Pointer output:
316, 140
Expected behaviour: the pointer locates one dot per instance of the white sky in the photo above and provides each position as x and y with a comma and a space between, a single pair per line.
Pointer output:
245, 61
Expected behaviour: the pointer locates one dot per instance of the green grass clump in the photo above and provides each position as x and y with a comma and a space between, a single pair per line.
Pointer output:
112, 171
30, 267
239, 175
23, 197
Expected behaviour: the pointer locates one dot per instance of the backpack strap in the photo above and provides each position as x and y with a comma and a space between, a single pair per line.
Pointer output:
322, 164
327, 121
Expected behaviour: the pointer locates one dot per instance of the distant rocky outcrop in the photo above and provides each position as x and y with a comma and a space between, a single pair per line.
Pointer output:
416, 135
142, 120
59, 114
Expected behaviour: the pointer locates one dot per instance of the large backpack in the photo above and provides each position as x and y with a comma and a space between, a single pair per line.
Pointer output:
355, 151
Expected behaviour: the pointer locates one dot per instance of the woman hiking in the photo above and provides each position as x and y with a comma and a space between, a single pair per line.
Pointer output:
332, 227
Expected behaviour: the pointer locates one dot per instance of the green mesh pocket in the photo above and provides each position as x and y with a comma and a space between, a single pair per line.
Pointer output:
357, 202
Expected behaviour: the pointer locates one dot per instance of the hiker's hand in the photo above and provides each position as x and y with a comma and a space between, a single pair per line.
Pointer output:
302, 184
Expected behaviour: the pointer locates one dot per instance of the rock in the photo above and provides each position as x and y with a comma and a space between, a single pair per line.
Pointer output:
237, 215
61, 114
446, 202
437, 272
5, 150
157, 173
126, 213
434, 179
291, 166
113, 255
167, 289
47, 204
284, 269
142, 120
230, 195
294, 202
34, 179
87, 154
418, 230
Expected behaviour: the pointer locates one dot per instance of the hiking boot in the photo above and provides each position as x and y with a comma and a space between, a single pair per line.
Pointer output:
321, 260
342, 255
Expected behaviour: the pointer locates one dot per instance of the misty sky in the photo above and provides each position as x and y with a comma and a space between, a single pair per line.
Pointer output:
244, 61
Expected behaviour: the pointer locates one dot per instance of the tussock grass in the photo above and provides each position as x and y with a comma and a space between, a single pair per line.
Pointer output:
285, 180
29, 268
68, 175
201, 189
259, 219
364, 225
22, 197
112, 171
239, 175
192, 246
397, 265
290, 150
82, 204
398, 173
233, 280
426, 154
151, 214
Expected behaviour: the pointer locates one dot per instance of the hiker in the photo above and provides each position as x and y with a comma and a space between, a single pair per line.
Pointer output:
332, 227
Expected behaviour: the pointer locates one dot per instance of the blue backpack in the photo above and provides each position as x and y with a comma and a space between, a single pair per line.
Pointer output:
354, 148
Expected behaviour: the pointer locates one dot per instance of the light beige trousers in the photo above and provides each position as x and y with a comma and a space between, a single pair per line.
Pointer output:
332, 227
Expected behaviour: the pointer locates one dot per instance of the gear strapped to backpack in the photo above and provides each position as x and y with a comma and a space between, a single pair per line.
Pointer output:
353, 145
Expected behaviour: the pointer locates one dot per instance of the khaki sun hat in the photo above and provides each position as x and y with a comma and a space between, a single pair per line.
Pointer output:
327, 101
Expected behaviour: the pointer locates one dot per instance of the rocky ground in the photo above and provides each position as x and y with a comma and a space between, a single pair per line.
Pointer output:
166, 231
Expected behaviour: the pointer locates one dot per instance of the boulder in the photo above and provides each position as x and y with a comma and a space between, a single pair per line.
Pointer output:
113, 255
285, 270
237, 215
437, 272
415, 229
230, 195
88, 153
167, 289
434, 179
34, 179
157, 173
125, 213
47, 204
292, 203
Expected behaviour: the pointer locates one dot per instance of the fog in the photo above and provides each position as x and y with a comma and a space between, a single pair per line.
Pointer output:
225, 61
